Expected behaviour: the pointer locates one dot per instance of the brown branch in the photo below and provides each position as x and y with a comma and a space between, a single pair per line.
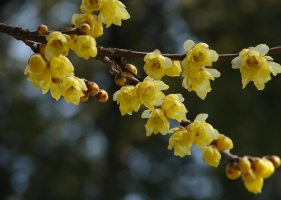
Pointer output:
25, 35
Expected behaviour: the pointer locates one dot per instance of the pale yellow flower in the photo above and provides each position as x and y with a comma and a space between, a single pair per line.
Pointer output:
85, 46
149, 92
199, 54
157, 122
211, 156
61, 67
180, 141
89, 6
173, 107
202, 133
127, 99
93, 21
72, 89
155, 64
196, 76
112, 12
255, 66
174, 70
57, 44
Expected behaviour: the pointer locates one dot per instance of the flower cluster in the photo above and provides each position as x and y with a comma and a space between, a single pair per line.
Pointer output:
255, 66
196, 76
253, 170
52, 71
197, 133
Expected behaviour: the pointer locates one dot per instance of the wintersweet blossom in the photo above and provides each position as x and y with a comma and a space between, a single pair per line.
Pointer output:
173, 107
255, 66
84, 46
174, 69
128, 100
157, 122
72, 89
155, 64
89, 6
180, 141
112, 12
211, 156
149, 92
93, 21
57, 44
196, 76
202, 133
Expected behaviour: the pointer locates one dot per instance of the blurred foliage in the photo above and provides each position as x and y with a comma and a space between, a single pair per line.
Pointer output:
54, 150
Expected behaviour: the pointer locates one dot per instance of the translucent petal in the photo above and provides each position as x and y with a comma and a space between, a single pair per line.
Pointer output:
236, 62
188, 44
275, 67
201, 117
215, 73
145, 114
262, 49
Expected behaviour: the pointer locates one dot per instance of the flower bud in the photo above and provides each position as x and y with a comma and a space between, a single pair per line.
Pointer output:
42, 29
42, 49
259, 166
212, 156
275, 160
232, 172
244, 164
102, 96
248, 176
84, 28
223, 143
132, 69
85, 97
120, 80
93, 88
269, 169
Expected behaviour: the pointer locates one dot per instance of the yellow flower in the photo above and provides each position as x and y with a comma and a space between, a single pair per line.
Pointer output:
85, 46
155, 64
72, 89
149, 92
199, 54
57, 44
93, 21
254, 186
196, 76
174, 70
36, 64
255, 66
202, 133
112, 12
89, 6
61, 67
55, 88
180, 141
173, 107
127, 99
212, 156
157, 122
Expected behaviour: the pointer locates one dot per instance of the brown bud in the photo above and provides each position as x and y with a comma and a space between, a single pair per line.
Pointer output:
102, 96
42, 29
85, 97
132, 69
275, 160
93, 88
232, 172
42, 48
120, 80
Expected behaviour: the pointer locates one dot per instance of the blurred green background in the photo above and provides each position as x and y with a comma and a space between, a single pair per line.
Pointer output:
53, 150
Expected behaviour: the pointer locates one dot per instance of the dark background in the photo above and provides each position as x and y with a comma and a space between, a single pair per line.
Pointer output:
53, 150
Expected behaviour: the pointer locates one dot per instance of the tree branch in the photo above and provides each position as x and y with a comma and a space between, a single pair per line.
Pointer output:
25, 35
